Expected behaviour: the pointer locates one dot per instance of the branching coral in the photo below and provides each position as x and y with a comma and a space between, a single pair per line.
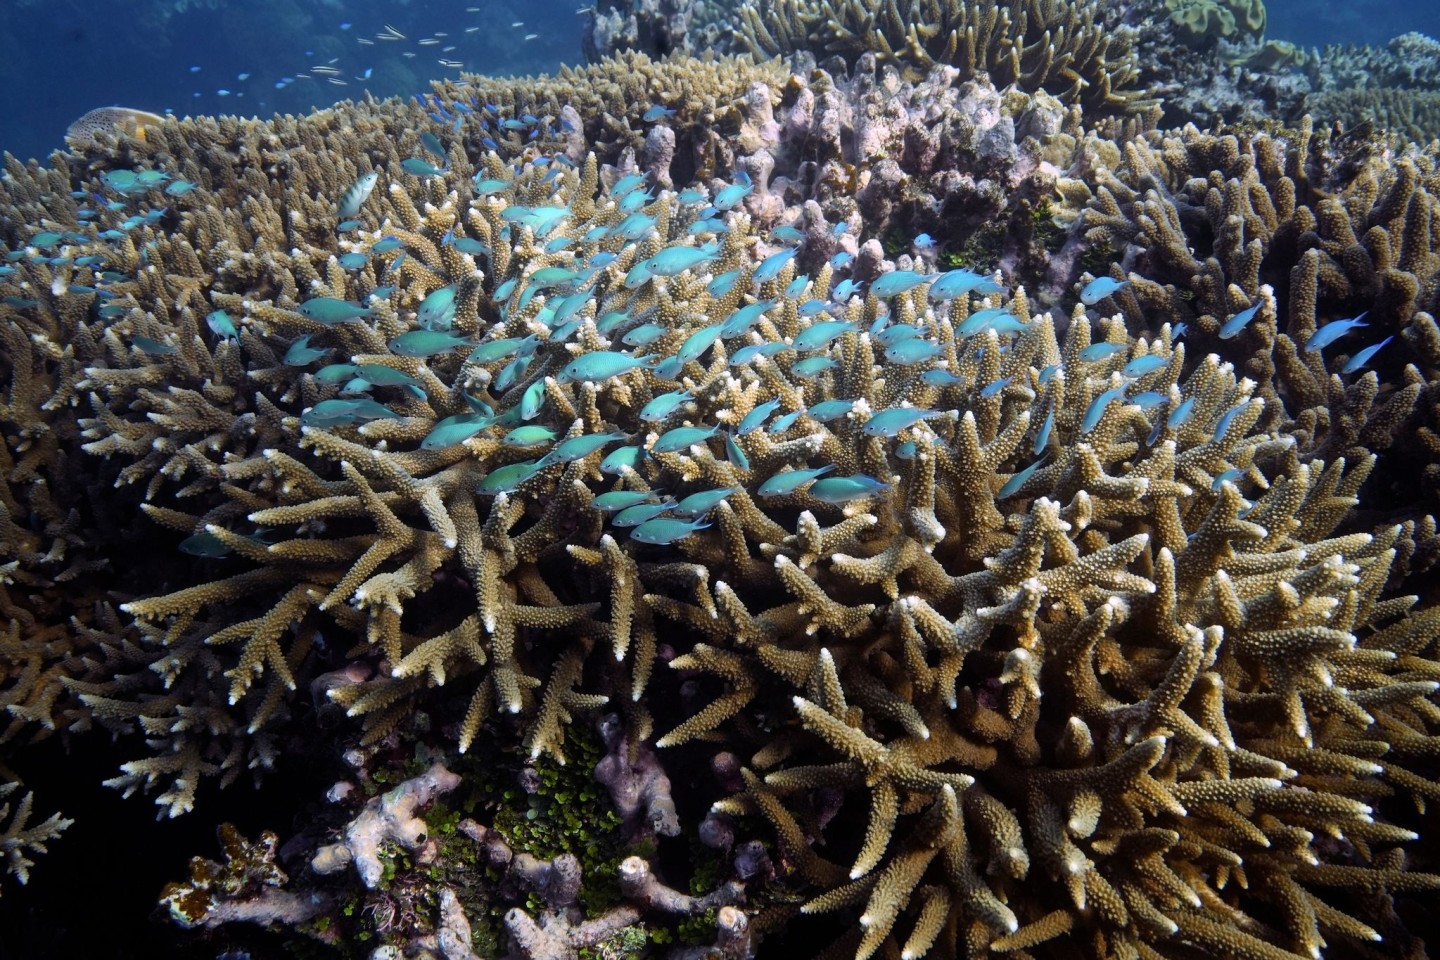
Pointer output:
1026, 625
1055, 45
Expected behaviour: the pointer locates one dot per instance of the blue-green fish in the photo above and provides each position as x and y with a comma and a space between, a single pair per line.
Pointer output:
662, 406
912, 351
637, 514
453, 430
1329, 333
419, 168
487, 187
1097, 407
382, 376
681, 438
532, 400
336, 372
529, 436
1013, 485
723, 283
897, 282
750, 351
602, 365
1226, 476
994, 389
1147, 363
219, 321
727, 197
1181, 413
1100, 288
827, 410
426, 343
386, 244
437, 311
1228, 418
505, 479
735, 455
355, 196
329, 310
501, 349
151, 347
676, 260
888, 423
331, 412
1101, 351
698, 342
663, 531
621, 499
1042, 438
813, 366
821, 334
628, 183
756, 417
788, 481
950, 285
617, 461
644, 335
657, 112
1364, 356
578, 448
432, 143
353, 261
1237, 323
839, 490
785, 422
745, 318
699, 504
771, 266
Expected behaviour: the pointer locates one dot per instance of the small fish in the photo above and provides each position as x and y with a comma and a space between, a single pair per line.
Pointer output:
771, 266
1096, 410
662, 406
437, 310
179, 188
663, 531
1226, 476
488, 187
982, 320
380, 375
616, 500
841, 259
1227, 418
841, 490
578, 448
676, 260
995, 389
529, 436
888, 423
386, 244
336, 372
353, 261
756, 417
813, 366
1180, 414
728, 198
355, 195
752, 350
923, 241
743, 319
205, 545
150, 347
912, 351
1333, 331
788, 481
786, 233
1013, 485
453, 430
955, 283
1148, 400
420, 168
495, 350
509, 477
426, 343
941, 378
219, 321
639, 513
822, 333
602, 365
1364, 356
722, 283
735, 455
897, 282
1101, 351
340, 412
1148, 363
1237, 323
1100, 288
329, 310
698, 342
532, 400
682, 438
1042, 438
785, 422
656, 112
699, 504
692, 197
617, 461
432, 143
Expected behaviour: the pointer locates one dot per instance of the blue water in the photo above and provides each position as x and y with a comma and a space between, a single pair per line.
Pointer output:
60, 58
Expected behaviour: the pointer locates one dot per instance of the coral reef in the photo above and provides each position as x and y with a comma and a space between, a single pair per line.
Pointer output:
1007, 621
1060, 46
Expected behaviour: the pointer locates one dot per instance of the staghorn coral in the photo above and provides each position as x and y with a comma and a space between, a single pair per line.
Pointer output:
1055, 45
19, 837
1149, 693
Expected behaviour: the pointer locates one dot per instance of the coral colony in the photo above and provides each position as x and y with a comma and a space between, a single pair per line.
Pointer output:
951, 520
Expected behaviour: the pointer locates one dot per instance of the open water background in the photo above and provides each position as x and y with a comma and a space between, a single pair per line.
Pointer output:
60, 58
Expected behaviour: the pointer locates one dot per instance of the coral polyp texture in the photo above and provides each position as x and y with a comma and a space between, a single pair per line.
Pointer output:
596, 465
